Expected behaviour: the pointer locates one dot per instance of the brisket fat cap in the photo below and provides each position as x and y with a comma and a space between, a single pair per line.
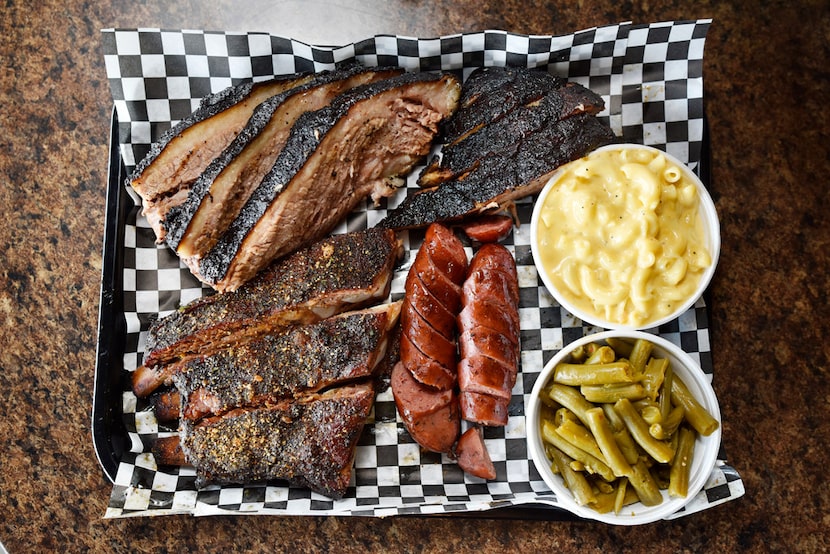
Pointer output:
336, 274
216, 197
163, 177
309, 442
334, 158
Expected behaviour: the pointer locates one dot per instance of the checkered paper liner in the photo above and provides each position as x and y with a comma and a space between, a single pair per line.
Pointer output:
650, 77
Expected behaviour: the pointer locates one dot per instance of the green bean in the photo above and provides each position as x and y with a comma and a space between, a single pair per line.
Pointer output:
653, 376
621, 346
640, 354
605, 394
645, 485
602, 355
666, 428
580, 437
592, 464
619, 500
664, 398
682, 464
604, 438
574, 480
593, 374
638, 428
697, 416
570, 398
651, 414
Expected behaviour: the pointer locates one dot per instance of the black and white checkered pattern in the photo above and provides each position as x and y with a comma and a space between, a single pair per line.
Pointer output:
650, 78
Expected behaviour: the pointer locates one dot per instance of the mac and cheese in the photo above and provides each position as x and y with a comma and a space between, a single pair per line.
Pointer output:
621, 237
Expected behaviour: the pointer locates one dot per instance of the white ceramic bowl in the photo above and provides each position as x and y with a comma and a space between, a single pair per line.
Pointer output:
706, 448
711, 225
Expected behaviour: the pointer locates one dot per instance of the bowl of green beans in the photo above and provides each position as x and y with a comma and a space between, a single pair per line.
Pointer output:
624, 427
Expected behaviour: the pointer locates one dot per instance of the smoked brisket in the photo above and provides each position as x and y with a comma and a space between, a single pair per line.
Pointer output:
163, 177
333, 159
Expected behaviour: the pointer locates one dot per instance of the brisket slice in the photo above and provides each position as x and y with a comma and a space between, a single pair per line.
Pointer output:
216, 197
309, 442
162, 178
491, 92
300, 359
519, 170
336, 274
334, 158
462, 157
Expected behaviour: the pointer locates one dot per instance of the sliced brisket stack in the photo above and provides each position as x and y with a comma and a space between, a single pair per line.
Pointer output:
262, 170
514, 127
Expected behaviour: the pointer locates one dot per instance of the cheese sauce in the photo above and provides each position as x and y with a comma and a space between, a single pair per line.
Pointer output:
621, 237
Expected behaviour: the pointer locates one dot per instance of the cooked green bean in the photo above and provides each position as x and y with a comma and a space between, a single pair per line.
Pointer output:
574, 480
681, 466
645, 485
621, 434
579, 436
622, 489
570, 398
621, 346
602, 355
593, 374
697, 416
638, 428
653, 376
606, 394
604, 438
664, 397
592, 464
640, 354
666, 428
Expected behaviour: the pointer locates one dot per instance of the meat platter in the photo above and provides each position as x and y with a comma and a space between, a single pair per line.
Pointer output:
391, 476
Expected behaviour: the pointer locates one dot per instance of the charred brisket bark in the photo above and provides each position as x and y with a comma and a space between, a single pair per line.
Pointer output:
333, 159
336, 274
163, 177
215, 198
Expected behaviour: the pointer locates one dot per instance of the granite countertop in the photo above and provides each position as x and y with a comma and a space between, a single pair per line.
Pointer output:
765, 73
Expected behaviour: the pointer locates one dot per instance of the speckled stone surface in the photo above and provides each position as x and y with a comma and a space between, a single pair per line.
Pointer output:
766, 91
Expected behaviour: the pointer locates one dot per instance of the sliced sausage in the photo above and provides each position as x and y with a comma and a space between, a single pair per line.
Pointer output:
436, 281
424, 368
430, 308
488, 228
486, 376
485, 409
429, 341
446, 252
430, 416
493, 315
472, 455
489, 336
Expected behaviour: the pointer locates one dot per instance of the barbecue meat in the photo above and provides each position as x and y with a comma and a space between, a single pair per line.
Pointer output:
300, 359
309, 442
520, 170
513, 129
333, 159
334, 275
216, 197
163, 177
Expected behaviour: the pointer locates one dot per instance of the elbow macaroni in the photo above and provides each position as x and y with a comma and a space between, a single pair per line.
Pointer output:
621, 237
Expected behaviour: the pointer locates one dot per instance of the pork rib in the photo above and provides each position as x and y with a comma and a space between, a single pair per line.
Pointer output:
309, 442
298, 360
336, 274
334, 158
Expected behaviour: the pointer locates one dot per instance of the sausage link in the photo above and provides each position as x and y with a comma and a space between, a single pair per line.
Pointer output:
489, 336
431, 416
